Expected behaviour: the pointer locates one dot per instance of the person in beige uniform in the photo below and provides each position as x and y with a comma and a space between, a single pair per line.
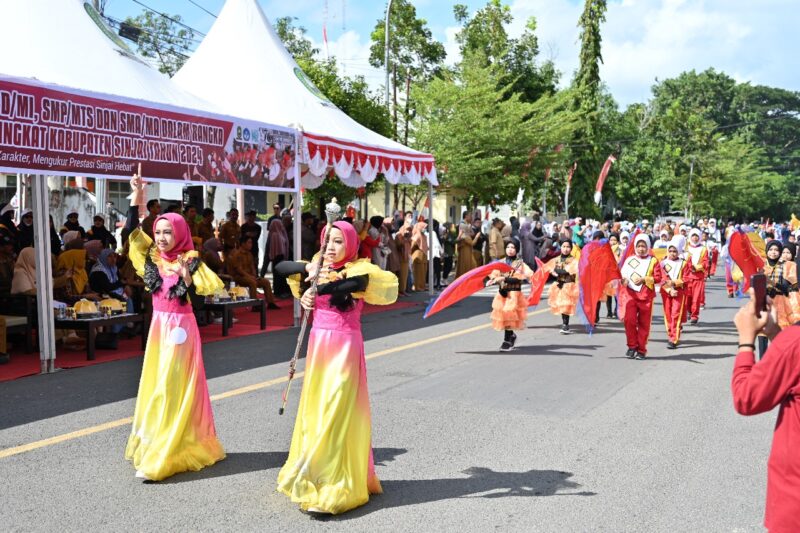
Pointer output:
230, 232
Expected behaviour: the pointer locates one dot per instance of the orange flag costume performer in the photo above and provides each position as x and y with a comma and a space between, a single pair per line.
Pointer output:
674, 270
564, 293
173, 426
697, 255
640, 272
510, 306
330, 468
781, 283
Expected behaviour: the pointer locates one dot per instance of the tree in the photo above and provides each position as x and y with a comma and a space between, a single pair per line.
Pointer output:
294, 39
482, 133
163, 39
485, 33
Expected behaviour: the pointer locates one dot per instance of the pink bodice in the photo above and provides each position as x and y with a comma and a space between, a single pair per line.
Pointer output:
161, 301
328, 317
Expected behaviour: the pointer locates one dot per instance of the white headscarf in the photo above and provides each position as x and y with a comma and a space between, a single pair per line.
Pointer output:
641, 238
695, 231
679, 241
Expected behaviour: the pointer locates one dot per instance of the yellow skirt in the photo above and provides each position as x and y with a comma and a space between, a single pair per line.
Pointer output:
562, 301
509, 312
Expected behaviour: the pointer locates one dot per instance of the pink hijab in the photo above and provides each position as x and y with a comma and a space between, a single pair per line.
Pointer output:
182, 234
350, 242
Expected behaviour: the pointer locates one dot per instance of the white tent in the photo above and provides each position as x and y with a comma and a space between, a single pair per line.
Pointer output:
66, 43
269, 85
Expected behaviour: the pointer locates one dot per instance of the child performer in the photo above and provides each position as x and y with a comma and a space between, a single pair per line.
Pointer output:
173, 426
697, 255
673, 291
639, 275
510, 307
781, 280
564, 293
330, 468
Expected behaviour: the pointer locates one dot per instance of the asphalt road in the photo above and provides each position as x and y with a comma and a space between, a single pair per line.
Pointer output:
562, 434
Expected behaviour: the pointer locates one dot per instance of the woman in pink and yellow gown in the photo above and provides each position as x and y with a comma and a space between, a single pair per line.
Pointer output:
330, 468
173, 426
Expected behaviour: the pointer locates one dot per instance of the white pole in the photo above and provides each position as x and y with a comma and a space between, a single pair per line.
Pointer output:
44, 274
388, 187
430, 238
297, 224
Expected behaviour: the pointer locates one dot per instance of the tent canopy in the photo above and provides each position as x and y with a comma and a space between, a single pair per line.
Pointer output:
66, 43
271, 86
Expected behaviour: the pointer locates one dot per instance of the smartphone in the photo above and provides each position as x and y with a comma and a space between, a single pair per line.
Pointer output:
759, 284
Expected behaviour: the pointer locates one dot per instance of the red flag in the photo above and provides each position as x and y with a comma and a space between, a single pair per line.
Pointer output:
602, 178
538, 281
466, 285
597, 267
745, 256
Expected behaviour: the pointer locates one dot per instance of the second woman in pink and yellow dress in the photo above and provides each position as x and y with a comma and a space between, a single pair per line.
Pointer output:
330, 468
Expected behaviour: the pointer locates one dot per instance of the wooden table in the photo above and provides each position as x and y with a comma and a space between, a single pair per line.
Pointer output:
228, 307
90, 325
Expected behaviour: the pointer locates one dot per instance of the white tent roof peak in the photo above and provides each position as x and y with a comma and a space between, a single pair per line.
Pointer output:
269, 86
67, 43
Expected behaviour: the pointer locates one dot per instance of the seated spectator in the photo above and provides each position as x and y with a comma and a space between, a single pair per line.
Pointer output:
98, 232
127, 273
104, 280
242, 269
93, 249
74, 261
6, 263
278, 251
24, 280
211, 257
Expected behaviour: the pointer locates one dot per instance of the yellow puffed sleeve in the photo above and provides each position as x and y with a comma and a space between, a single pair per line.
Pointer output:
205, 281
140, 243
382, 286
294, 282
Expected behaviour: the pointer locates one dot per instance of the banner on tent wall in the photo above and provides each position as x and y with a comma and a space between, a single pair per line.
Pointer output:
75, 133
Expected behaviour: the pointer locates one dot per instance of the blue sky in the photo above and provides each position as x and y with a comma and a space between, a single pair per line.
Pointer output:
643, 40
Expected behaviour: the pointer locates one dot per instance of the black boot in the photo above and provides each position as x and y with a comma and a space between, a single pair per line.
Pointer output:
565, 325
597, 314
609, 308
508, 344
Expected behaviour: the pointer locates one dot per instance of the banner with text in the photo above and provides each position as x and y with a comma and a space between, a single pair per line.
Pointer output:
69, 132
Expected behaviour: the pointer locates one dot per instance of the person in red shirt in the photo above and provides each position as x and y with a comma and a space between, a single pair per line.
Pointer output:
697, 256
640, 273
674, 272
758, 387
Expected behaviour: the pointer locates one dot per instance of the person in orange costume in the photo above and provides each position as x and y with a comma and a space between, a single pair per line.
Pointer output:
564, 293
640, 273
697, 255
674, 271
781, 282
510, 306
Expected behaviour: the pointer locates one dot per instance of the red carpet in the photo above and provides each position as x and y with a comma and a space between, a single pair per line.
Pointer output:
26, 364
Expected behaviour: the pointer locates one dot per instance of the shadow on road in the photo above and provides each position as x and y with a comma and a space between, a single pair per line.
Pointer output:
692, 357
245, 462
549, 349
480, 483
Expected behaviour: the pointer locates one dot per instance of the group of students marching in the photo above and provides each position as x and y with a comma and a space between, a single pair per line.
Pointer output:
677, 270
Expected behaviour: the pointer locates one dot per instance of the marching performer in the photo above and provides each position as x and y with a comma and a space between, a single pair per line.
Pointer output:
173, 426
564, 293
510, 306
673, 291
697, 255
639, 276
330, 468
781, 282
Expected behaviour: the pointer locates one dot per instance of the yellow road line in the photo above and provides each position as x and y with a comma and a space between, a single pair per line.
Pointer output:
8, 452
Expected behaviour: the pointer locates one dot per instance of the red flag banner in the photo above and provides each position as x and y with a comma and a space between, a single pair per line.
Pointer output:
71, 132
538, 281
602, 178
597, 266
744, 254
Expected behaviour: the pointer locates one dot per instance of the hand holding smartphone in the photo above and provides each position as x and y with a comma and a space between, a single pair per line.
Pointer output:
759, 284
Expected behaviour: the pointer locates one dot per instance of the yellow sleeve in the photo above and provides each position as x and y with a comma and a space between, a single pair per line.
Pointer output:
140, 244
294, 282
382, 286
205, 281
